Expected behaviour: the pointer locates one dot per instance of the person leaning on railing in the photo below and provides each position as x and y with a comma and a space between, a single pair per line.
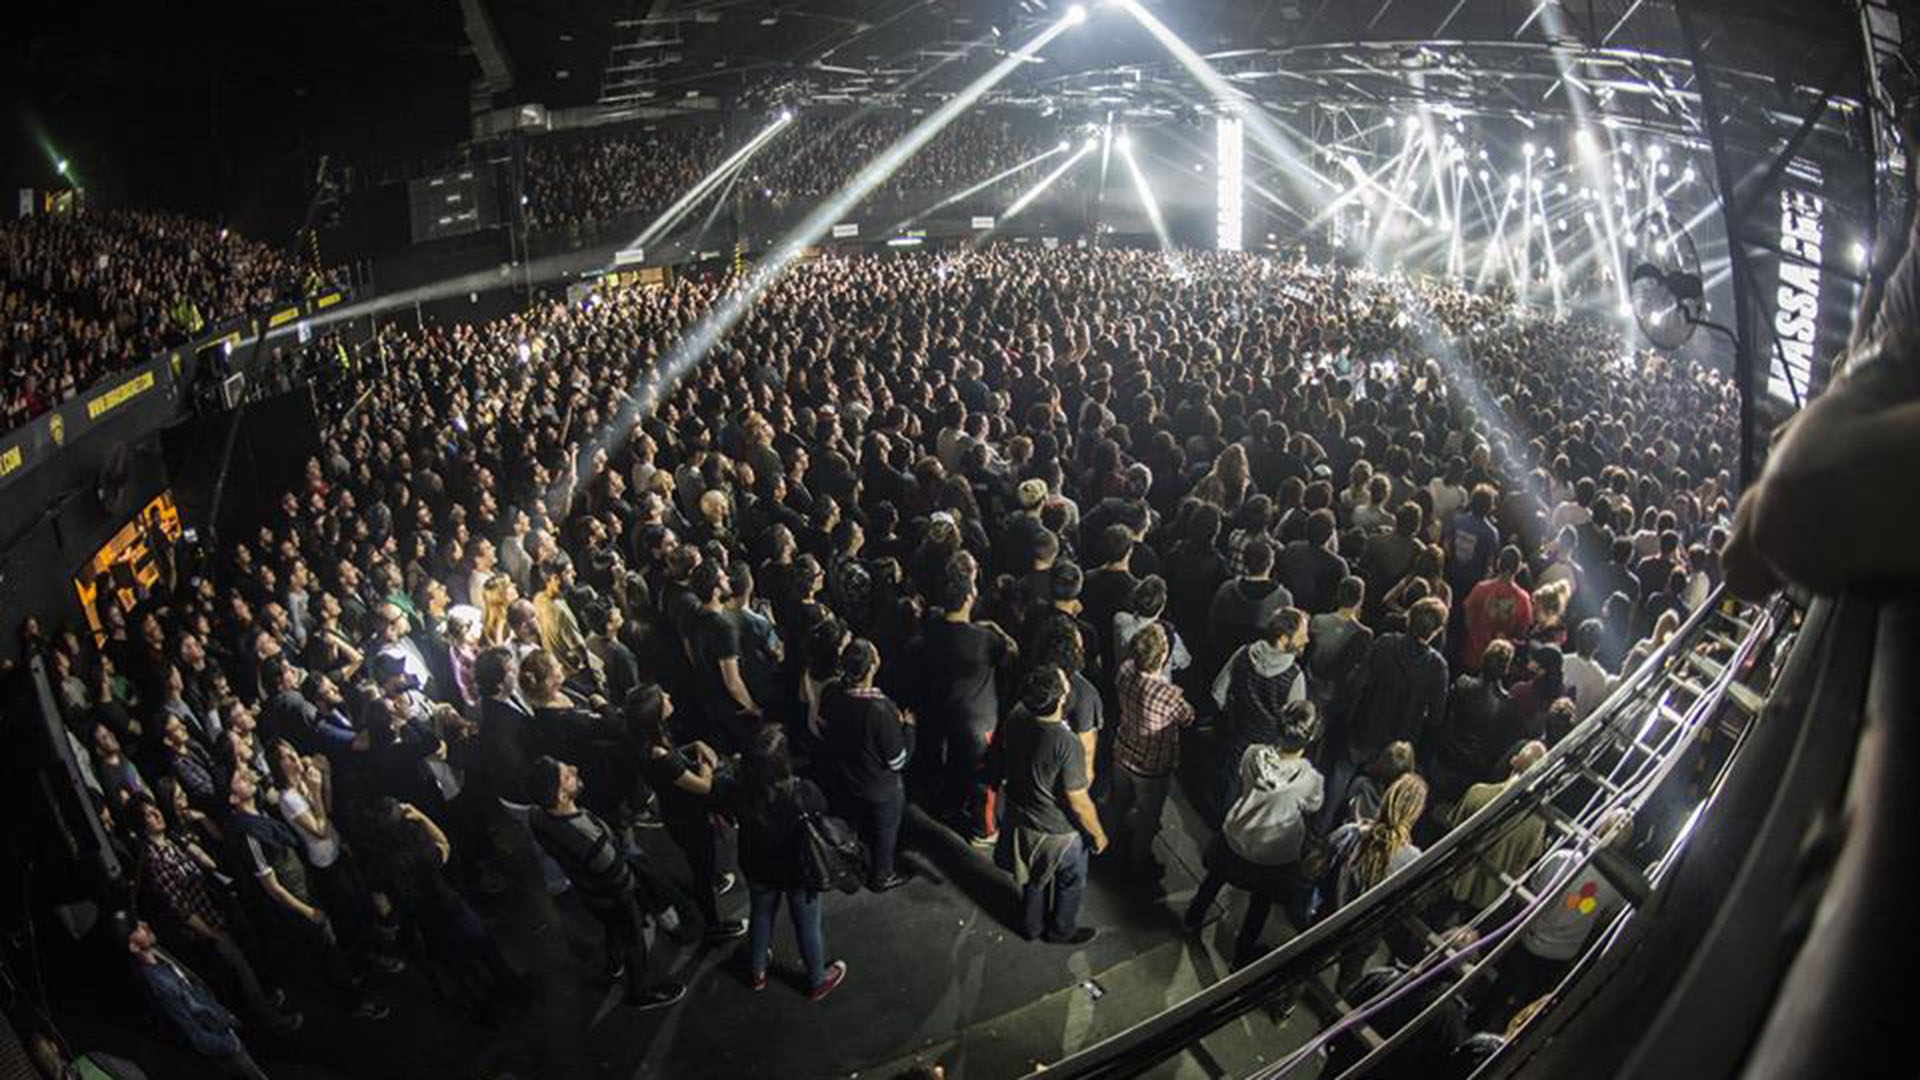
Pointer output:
1834, 506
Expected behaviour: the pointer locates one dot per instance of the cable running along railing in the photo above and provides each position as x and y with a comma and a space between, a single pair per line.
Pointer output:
1691, 701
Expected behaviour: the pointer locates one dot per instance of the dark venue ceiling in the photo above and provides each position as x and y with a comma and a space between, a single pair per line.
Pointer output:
190, 109
575, 52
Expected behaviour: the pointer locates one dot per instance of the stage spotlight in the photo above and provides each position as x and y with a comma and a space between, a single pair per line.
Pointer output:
1513, 181
1560, 188
1124, 143
1527, 149
1687, 175
1539, 185
1654, 152
786, 115
1859, 253
1413, 125
1483, 176
1063, 146
1092, 141
1583, 139
1076, 15
1145, 192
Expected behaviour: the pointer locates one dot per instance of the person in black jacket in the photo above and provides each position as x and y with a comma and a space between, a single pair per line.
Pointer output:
1472, 743
1243, 606
1310, 569
1404, 693
620, 669
869, 741
772, 807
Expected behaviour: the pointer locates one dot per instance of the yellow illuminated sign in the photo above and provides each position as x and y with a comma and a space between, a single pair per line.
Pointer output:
119, 395
281, 318
10, 459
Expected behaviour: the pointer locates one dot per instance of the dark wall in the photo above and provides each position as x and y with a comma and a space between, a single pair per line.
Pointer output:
272, 440
64, 525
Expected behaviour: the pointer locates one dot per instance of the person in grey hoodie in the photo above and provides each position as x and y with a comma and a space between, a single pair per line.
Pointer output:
1253, 689
1243, 606
1260, 842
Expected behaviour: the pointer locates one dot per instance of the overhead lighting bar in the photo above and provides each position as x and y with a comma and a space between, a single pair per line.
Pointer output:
1277, 144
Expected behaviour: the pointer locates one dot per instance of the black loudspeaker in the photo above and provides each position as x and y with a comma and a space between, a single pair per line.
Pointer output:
72, 838
114, 487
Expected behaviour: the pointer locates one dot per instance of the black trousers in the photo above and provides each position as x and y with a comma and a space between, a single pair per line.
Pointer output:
696, 839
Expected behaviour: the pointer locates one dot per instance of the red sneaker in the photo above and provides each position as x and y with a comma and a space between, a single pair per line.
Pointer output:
836, 974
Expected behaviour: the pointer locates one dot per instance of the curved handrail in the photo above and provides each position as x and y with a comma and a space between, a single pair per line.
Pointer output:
1139, 1047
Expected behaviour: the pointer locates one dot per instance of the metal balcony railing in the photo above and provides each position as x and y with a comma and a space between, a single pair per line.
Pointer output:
1659, 746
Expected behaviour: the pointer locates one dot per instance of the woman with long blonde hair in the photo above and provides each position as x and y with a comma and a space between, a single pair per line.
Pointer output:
1229, 482
496, 597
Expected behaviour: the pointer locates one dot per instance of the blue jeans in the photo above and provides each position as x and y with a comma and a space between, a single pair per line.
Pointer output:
803, 906
880, 828
1052, 911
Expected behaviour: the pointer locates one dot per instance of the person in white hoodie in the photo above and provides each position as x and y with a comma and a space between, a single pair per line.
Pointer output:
1265, 831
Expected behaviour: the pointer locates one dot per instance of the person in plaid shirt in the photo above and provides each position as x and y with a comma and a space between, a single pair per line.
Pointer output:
176, 878
1146, 745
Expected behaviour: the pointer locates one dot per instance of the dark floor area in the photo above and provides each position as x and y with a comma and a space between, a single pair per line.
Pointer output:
936, 971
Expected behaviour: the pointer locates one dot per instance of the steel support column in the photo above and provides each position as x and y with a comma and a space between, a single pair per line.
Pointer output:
1745, 377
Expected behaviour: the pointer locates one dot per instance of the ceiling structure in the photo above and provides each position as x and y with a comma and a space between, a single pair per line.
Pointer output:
668, 51
1522, 60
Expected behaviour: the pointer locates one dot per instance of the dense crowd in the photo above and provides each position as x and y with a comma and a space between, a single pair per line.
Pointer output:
823, 152
586, 180
583, 181
1005, 534
88, 293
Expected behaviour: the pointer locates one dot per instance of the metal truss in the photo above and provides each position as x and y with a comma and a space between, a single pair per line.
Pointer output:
1525, 81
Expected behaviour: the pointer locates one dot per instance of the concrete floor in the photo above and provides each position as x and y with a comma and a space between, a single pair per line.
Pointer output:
936, 972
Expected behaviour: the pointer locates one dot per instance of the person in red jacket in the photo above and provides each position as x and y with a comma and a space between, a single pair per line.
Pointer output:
1496, 608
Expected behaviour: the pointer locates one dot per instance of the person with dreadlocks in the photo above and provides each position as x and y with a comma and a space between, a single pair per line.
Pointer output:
1368, 853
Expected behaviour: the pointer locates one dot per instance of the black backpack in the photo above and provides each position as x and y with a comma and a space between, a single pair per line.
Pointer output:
831, 854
